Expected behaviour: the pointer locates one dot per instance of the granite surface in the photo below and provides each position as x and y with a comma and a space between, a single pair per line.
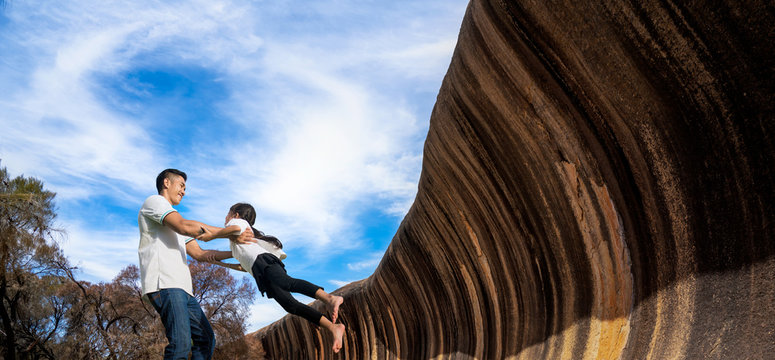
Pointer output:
597, 183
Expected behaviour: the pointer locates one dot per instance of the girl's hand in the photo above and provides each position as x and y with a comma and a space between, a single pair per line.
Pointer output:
206, 235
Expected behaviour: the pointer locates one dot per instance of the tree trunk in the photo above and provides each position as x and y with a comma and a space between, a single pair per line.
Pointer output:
10, 337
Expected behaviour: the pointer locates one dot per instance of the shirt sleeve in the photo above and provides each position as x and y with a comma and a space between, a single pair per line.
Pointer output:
185, 239
243, 225
156, 208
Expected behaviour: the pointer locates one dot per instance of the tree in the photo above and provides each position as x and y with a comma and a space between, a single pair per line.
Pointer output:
110, 320
30, 312
225, 302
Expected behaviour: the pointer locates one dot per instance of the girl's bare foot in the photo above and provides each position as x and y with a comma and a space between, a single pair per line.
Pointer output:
334, 306
338, 335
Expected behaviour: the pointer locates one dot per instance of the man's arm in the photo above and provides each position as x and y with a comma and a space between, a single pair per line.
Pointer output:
199, 254
192, 228
211, 256
236, 267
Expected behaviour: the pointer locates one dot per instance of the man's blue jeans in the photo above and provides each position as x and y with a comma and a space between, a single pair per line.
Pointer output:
184, 322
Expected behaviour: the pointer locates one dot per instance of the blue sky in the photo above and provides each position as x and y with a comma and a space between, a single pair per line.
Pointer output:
315, 112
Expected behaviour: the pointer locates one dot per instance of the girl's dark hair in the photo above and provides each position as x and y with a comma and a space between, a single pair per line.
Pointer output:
245, 211
248, 213
268, 238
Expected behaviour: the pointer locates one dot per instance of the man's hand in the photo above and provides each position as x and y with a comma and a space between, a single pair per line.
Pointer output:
206, 235
210, 256
237, 267
245, 238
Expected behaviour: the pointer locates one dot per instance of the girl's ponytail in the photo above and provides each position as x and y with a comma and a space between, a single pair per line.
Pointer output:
257, 233
273, 240
268, 238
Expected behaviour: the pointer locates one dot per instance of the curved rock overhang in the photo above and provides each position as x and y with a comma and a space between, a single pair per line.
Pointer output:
597, 182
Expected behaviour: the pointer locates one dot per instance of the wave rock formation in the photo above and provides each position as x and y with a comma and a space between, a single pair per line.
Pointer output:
598, 182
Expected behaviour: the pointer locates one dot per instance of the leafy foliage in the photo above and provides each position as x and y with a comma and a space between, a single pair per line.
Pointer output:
30, 264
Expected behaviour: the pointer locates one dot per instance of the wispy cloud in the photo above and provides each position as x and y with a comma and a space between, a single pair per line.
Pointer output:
99, 255
58, 126
371, 261
315, 113
340, 283
263, 312
331, 136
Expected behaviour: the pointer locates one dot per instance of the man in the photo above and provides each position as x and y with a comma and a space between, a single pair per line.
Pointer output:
164, 274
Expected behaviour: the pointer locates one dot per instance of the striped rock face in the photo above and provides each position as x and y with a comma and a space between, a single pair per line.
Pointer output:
598, 183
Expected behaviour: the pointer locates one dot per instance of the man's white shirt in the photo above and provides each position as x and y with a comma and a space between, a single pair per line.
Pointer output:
162, 251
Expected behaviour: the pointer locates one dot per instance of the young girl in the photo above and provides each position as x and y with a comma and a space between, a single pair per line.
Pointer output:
263, 261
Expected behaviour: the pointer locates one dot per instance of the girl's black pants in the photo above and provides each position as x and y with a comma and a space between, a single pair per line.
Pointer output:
274, 280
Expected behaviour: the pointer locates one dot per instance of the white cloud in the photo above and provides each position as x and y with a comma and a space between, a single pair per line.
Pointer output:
328, 117
331, 145
372, 260
99, 255
58, 128
263, 312
340, 283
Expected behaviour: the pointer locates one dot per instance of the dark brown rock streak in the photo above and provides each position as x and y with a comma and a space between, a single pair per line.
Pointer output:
597, 183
